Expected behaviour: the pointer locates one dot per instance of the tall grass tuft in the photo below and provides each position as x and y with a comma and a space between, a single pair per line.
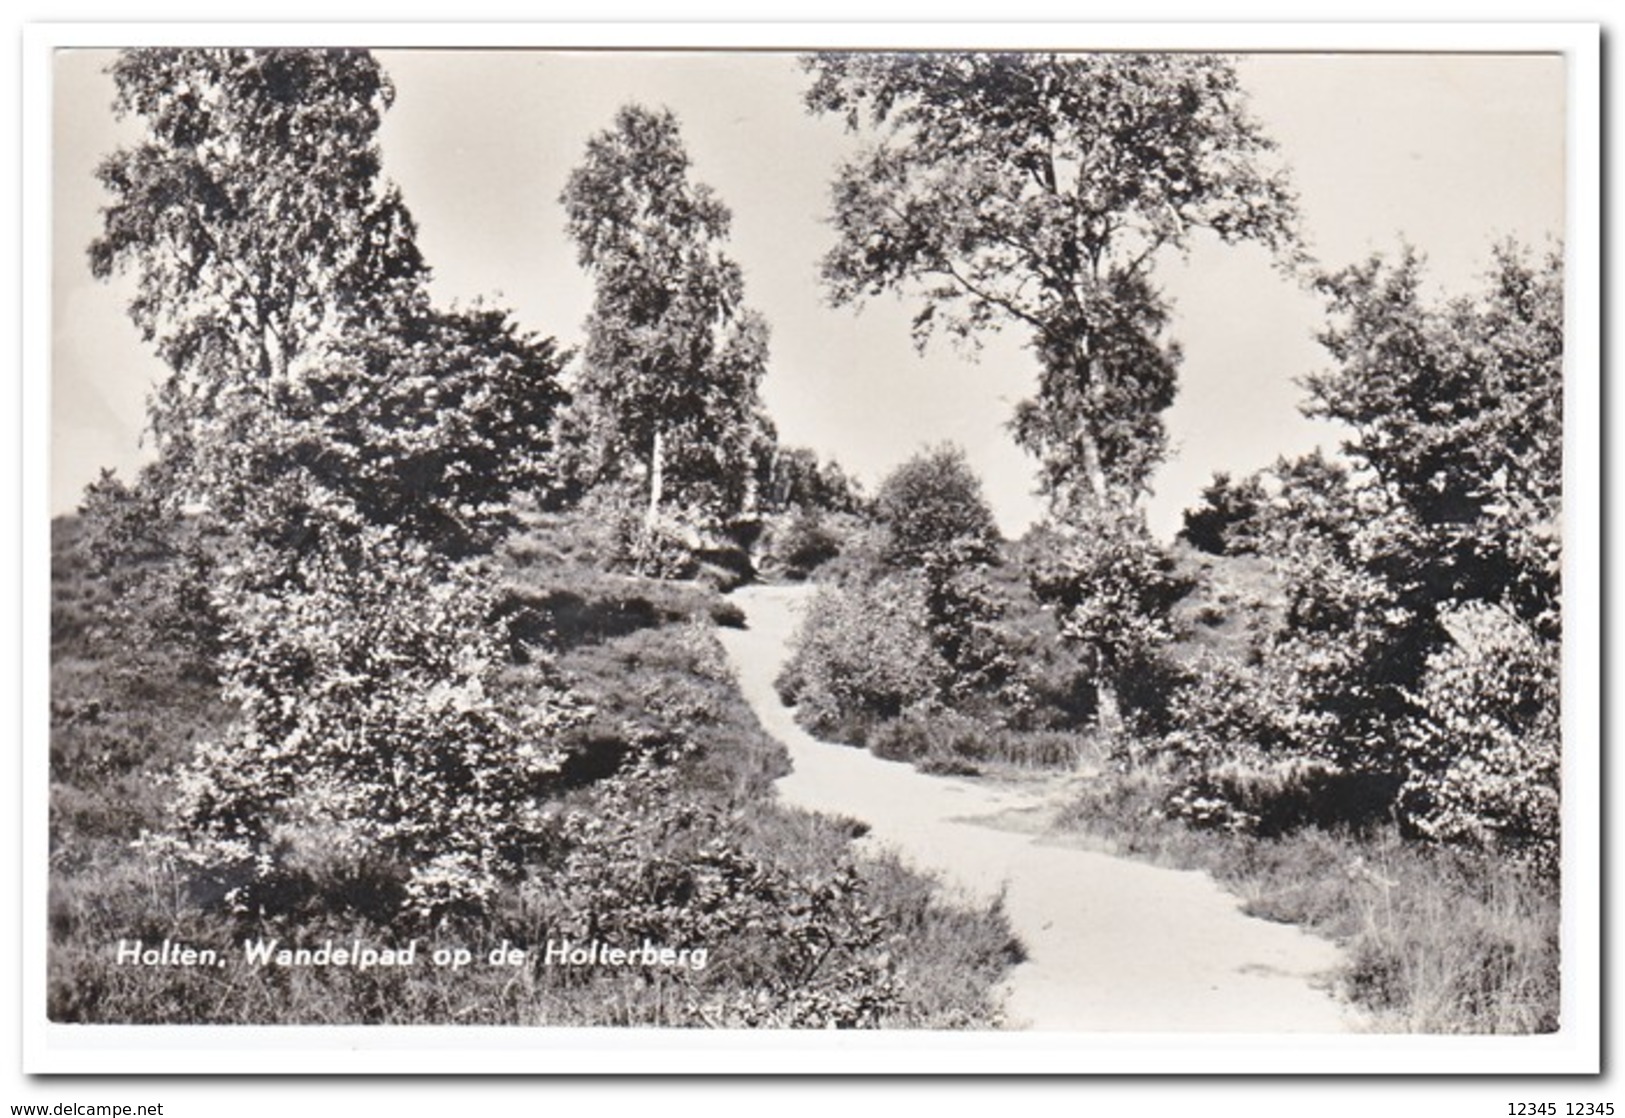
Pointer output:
1436, 940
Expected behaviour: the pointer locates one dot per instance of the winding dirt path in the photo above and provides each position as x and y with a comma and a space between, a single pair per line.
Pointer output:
1112, 945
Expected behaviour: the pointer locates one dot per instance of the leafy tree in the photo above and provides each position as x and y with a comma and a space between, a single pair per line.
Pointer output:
1457, 413
1223, 524
254, 220
279, 278
933, 510
353, 450
939, 526
431, 425
357, 636
1420, 650
1037, 190
797, 478
1456, 410
668, 393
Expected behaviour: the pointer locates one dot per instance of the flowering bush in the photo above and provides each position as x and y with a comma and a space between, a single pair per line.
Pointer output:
647, 863
367, 734
1484, 752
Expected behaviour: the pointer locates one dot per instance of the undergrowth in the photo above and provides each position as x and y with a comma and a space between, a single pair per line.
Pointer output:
1436, 940
660, 825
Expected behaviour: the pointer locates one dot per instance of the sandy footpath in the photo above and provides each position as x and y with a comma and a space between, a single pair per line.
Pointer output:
1113, 945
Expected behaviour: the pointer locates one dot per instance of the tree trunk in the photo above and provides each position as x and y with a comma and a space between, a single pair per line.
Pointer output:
1108, 711
656, 483
1089, 450
1092, 467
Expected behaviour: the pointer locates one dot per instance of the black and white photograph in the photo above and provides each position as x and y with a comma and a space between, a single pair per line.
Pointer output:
1023, 540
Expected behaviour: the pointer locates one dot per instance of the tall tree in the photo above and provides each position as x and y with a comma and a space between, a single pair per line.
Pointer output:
1457, 412
673, 358
278, 276
1037, 190
355, 449
254, 220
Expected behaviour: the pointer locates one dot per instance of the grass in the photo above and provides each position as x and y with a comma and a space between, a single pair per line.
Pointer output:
952, 743
643, 653
1436, 940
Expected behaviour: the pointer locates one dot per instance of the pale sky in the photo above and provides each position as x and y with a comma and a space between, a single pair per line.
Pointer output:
1451, 152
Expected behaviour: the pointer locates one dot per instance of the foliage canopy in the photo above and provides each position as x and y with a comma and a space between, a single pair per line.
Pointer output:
668, 393
1038, 190
254, 220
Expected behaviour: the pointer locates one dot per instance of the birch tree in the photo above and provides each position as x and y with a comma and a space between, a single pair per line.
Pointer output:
254, 220
673, 360
1038, 191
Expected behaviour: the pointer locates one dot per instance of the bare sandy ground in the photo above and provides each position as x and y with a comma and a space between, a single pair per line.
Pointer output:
1113, 945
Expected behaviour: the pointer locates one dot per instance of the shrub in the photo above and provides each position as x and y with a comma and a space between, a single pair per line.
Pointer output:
1252, 746
156, 566
862, 655
934, 738
802, 951
932, 505
1484, 751
802, 542
984, 671
1226, 522
1113, 589
728, 615
368, 733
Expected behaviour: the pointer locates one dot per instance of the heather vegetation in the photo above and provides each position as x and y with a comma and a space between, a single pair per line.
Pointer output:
380, 650
408, 633
1338, 690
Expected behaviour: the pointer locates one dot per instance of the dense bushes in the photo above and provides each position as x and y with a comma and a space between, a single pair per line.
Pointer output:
1482, 755
928, 646
932, 507
655, 819
369, 738
861, 657
1113, 590
909, 625
1413, 674
797, 543
1225, 522
785, 948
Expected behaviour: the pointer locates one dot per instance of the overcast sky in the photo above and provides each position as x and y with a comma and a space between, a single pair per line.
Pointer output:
1451, 152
